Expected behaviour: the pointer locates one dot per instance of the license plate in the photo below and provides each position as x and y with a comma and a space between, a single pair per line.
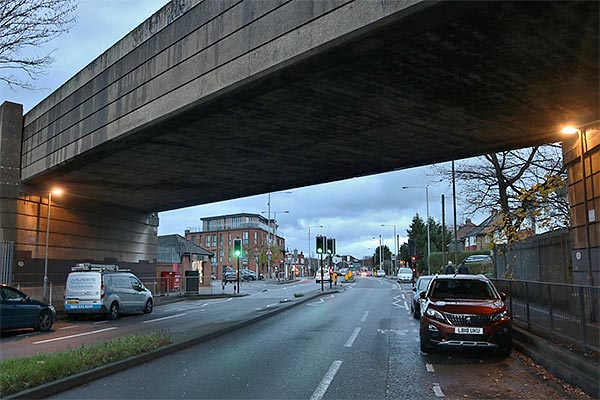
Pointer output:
72, 301
469, 331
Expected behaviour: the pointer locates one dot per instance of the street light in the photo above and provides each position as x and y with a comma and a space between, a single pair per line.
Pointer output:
570, 130
395, 264
55, 191
269, 225
428, 235
309, 253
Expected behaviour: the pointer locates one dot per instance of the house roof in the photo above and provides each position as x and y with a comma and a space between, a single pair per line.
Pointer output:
182, 246
465, 230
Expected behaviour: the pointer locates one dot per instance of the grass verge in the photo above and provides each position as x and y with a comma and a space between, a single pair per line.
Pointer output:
23, 373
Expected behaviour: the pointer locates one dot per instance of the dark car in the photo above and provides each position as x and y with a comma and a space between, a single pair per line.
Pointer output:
464, 311
420, 286
18, 311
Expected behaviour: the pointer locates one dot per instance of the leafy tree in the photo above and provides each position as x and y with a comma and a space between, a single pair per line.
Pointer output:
527, 185
387, 254
30, 23
417, 231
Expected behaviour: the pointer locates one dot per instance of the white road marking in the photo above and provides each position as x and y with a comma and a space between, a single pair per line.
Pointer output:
163, 318
352, 337
73, 336
101, 322
324, 385
68, 327
429, 367
397, 301
316, 302
406, 306
438, 390
364, 317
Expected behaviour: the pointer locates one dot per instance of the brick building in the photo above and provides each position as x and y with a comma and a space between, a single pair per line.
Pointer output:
217, 233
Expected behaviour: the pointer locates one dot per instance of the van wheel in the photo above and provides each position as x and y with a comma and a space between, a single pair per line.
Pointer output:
149, 306
44, 322
113, 312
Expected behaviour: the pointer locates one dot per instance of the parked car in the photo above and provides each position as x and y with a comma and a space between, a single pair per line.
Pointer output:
464, 311
478, 258
420, 286
105, 289
405, 275
380, 273
19, 311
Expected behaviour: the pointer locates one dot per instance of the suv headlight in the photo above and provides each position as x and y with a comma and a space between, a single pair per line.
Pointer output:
435, 314
499, 316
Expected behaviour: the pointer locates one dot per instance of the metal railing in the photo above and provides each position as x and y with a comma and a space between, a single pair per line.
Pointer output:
569, 312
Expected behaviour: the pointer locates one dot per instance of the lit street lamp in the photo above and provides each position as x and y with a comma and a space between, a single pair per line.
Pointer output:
57, 192
569, 130
395, 264
428, 237
309, 253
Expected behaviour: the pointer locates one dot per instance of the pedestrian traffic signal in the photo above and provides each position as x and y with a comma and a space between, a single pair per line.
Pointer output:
237, 247
330, 246
321, 244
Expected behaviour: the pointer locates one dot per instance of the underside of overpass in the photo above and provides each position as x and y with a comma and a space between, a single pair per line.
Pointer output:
215, 100
435, 82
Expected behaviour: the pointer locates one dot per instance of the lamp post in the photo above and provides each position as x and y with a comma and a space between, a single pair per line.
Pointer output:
272, 229
428, 234
45, 290
269, 226
569, 130
395, 264
309, 253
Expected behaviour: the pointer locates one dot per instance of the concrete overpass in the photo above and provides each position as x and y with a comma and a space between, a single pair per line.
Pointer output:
213, 100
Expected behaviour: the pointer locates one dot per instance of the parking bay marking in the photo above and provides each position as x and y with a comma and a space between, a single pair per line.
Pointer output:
429, 367
163, 318
364, 316
74, 336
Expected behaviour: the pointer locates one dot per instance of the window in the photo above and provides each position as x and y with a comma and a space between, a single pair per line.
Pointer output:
214, 239
245, 237
221, 253
229, 238
255, 237
221, 239
207, 240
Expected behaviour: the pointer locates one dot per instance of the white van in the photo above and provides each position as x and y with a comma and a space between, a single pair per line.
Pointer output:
105, 289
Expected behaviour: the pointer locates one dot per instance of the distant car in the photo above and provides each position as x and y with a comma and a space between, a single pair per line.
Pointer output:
342, 272
231, 276
405, 275
420, 286
464, 311
380, 273
19, 311
326, 277
478, 258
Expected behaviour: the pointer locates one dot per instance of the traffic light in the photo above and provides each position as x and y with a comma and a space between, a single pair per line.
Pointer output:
413, 258
330, 246
237, 247
321, 244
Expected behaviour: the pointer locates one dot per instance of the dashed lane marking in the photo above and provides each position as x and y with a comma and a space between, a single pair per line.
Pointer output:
352, 337
76, 335
364, 316
324, 385
164, 318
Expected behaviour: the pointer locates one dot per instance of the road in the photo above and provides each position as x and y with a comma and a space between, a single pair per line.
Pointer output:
361, 343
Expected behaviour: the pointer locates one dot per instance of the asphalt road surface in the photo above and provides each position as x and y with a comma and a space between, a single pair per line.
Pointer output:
358, 344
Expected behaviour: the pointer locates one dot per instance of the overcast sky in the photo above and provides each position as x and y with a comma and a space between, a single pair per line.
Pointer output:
352, 211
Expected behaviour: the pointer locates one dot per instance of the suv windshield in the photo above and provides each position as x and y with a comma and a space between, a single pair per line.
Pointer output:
461, 289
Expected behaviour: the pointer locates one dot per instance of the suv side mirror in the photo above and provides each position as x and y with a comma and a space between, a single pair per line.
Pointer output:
502, 296
423, 294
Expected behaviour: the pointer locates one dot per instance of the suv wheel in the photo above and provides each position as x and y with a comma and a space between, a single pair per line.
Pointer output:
504, 350
149, 306
113, 312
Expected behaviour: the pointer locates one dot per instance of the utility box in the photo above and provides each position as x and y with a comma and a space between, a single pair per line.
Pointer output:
192, 281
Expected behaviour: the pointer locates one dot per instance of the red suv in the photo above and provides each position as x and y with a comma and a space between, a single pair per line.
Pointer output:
464, 311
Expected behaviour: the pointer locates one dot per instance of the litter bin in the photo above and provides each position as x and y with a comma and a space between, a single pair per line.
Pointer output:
192, 281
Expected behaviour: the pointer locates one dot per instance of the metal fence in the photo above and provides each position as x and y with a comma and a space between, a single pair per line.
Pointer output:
569, 312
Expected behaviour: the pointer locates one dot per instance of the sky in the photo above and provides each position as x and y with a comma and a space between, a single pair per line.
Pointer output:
351, 211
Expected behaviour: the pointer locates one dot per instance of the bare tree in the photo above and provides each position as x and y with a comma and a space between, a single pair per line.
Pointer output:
527, 186
30, 23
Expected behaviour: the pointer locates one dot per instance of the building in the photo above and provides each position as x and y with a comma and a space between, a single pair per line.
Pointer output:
217, 233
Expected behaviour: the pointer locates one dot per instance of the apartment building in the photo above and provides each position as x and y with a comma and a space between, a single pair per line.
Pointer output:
217, 234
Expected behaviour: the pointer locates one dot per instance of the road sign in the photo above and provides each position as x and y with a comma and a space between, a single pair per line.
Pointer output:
269, 252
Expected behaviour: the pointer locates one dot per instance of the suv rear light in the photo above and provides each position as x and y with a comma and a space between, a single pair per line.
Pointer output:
102, 288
